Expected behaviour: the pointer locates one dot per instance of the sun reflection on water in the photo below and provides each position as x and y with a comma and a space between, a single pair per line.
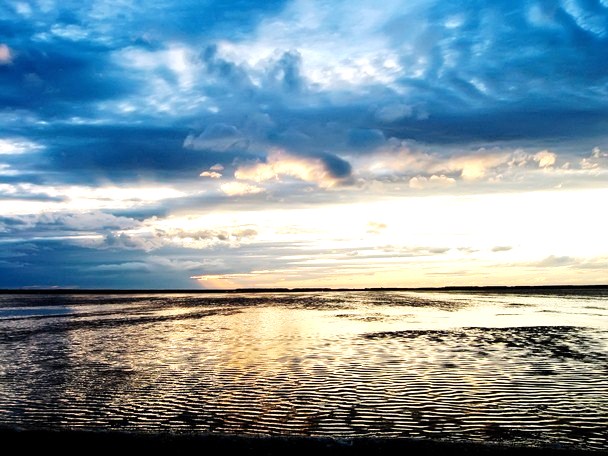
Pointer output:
459, 366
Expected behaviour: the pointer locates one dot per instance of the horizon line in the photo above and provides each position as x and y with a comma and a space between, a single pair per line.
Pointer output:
67, 290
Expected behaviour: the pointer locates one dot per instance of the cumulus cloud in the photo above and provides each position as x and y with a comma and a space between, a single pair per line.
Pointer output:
324, 170
545, 158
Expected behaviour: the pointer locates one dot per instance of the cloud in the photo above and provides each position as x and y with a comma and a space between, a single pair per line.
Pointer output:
324, 170
556, 261
124, 241
376, 227
474, 166
501, 248
218, 137
211, 174
82, 198
412, 99
545, 158
596, 161
393, 112
5, 54
38, 224
197, 238
122, 267
11, 146
235, 234
421, 182
240, 188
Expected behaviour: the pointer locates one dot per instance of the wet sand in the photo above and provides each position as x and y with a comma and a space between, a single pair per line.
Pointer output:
493, 369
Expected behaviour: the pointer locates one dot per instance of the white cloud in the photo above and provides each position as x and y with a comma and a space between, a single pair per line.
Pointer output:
545, 158
211, 174
200, 235
420, 182
79, 198
240, 188
85, 221
398, 162
281, 164
22, 8
6, 170
70, 32
13, 146
474, 166
401, 159
360, 52
159, 94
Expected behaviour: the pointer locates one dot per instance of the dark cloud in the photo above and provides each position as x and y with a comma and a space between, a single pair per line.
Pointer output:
98, 154
286, 72
52, 263
60, 78
364, 138
159, 93
336, 166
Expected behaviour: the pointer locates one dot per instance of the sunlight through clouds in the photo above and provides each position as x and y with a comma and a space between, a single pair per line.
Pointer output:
307, 143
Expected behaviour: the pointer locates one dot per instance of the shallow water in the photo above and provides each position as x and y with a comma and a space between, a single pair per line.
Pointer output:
529, 369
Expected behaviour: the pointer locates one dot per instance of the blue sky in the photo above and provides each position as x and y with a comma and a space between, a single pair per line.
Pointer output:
302, 143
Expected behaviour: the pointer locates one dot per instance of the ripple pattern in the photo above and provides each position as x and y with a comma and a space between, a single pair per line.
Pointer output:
343, 364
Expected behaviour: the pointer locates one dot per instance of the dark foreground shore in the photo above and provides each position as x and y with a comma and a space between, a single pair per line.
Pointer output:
79, 441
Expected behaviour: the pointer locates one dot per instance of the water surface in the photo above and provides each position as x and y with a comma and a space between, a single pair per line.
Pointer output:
527, 369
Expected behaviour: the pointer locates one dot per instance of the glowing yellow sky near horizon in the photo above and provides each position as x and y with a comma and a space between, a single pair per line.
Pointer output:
511, 238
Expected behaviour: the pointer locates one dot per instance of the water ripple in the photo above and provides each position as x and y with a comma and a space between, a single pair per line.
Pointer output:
349, 364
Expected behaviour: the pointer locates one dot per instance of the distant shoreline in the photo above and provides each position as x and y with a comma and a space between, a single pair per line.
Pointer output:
469, 289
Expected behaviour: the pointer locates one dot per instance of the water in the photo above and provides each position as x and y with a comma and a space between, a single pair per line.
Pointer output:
525, 369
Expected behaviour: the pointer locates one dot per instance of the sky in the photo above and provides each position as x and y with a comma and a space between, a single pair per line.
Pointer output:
222, 144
